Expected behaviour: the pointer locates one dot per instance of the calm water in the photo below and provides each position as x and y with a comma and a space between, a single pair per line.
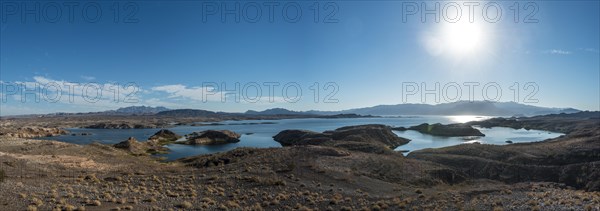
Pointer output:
257, 134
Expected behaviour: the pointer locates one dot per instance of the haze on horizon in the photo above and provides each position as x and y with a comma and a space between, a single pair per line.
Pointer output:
185, 55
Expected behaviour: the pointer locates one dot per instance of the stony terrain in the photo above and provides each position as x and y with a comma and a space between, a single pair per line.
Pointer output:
556, 174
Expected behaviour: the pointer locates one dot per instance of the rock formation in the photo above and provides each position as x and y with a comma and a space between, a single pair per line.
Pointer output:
450, 130
211, 137
34, 132
135, 147
365, 138
571, 159
163, 137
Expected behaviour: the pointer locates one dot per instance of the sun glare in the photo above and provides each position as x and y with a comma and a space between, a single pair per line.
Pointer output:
463, 37
457, 40
467, 118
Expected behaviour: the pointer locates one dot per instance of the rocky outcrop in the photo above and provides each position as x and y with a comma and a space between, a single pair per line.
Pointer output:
163, 137
365, 138
300, 137
212, 137
320, 163
450, 130
571, 159
135, 147
34, 132
562, 123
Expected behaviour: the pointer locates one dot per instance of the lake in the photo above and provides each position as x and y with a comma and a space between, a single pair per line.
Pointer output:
259, 133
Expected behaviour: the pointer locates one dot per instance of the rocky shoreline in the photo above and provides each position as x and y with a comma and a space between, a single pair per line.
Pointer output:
34, 132
350, 168
570, 159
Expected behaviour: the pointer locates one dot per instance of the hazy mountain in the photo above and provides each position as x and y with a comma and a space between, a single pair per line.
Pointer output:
187, 113
131, 110
141, 110
582, 114
486, 108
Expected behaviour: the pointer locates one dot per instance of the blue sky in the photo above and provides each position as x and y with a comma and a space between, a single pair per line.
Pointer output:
364, 53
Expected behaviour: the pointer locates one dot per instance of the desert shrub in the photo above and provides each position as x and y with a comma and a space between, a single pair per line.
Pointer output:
96, 203
186, 205
37, 202
2, 175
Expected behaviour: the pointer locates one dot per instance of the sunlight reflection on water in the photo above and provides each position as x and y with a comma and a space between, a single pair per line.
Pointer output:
468, 118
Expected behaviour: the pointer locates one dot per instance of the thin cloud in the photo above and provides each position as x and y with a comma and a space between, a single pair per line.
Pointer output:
79, 94
193, 93
558, 52
589, 50
211, 94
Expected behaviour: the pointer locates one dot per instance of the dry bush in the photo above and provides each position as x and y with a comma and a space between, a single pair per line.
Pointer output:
2, 175
185, 205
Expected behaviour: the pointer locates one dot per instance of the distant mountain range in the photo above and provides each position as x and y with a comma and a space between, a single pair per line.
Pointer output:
131, 110
483, 108
193, 112
141, 110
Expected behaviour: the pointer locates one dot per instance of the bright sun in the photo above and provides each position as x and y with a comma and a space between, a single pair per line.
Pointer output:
462, 37
462, 41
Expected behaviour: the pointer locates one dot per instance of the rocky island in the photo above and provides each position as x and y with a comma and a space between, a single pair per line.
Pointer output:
154, 144
450, 130
163, 137
366, 138
211, 137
